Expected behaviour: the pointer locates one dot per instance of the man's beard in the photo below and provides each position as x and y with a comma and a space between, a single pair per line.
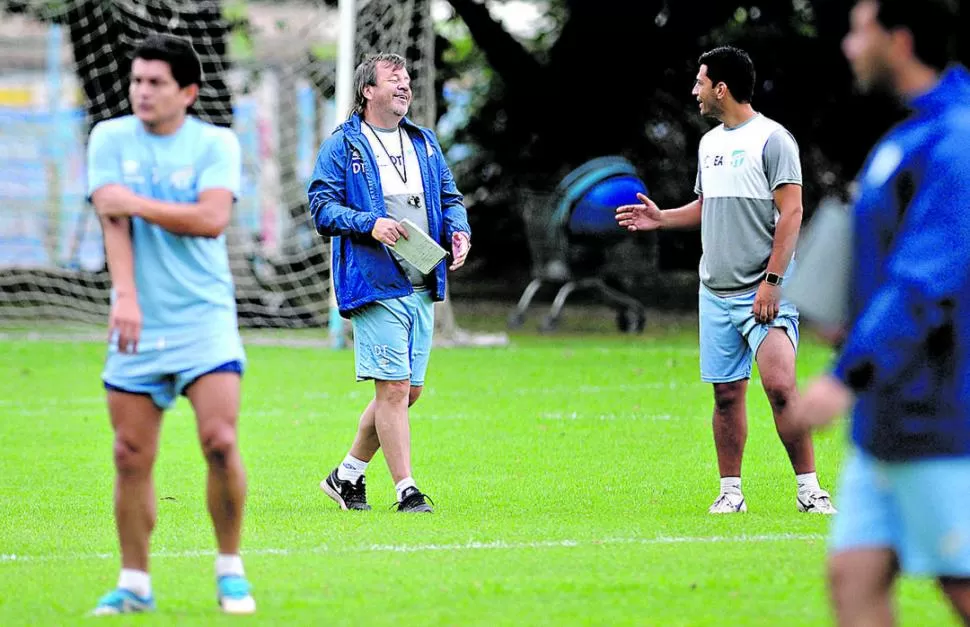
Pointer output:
879, 85
713, 111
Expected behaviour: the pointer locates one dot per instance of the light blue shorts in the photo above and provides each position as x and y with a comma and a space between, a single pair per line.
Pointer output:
163, 372
919, 509
392, 338
730, 336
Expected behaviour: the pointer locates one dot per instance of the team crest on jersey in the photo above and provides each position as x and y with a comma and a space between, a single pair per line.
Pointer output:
737, 158
130, 172
182, 178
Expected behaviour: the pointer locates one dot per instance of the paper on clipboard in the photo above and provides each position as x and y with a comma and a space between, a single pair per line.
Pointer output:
418, 249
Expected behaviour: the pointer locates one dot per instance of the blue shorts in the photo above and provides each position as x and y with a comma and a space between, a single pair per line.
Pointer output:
392, 338
919, 509
165, 373
730, 336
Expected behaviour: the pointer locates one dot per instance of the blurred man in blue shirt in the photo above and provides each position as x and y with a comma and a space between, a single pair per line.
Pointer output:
904, 366
163, 183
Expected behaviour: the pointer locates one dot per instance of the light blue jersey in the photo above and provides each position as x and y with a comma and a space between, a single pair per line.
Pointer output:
185, 289
184, 285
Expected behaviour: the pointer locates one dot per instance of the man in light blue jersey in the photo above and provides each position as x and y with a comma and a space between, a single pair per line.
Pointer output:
904, 362
163, 183
749, 210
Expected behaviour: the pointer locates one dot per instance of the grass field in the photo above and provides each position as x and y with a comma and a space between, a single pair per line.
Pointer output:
571, 474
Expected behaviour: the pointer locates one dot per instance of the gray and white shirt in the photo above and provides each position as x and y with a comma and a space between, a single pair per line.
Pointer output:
737, 172
401, 183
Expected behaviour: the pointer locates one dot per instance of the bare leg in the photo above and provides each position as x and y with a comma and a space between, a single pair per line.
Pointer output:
367, 442
136, 422
730, 426
860, 585
776, 363
391, 423
958, 591
215, 399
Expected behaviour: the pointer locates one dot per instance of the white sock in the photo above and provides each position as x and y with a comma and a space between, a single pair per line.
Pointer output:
403, 485
730, 485
137, 581
807, 482
229, 565
351, 469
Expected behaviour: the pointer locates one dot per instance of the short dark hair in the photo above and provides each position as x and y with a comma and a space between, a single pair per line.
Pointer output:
733, 67
177, 52
932, 23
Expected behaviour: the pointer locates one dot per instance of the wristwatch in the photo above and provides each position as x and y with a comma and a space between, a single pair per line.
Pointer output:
773, 279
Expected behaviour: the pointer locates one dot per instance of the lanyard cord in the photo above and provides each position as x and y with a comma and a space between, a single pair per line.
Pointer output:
404, 162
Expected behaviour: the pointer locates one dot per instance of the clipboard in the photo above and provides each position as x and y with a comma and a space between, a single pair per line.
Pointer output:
418, 249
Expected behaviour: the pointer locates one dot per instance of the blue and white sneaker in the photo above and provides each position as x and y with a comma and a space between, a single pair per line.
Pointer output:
815, 502
234, 597
729, 503
122, 601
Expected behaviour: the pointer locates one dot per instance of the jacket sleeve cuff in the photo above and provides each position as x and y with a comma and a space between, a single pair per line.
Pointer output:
858, 377
366, 222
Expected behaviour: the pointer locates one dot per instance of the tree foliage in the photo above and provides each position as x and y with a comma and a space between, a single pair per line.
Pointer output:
616, 79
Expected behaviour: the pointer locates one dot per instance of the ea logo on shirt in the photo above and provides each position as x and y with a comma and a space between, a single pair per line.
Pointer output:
713, 161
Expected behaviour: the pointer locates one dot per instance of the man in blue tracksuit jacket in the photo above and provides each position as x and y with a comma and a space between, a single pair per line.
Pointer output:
905, 361
374, 171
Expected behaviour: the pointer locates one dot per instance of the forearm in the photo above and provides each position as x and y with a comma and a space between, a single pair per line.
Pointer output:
192, 219
333, 219
686, 217
786, 237
119, 254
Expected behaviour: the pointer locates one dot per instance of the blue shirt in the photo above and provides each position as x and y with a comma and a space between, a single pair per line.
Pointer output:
184, 285
907, 354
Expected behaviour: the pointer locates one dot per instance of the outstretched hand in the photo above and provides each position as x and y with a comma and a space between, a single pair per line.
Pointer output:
825, 399
460, 245
642, 217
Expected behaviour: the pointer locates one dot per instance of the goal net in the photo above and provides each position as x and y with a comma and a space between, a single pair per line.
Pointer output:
269, 73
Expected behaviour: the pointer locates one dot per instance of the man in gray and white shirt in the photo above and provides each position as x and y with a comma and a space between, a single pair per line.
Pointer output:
749, 209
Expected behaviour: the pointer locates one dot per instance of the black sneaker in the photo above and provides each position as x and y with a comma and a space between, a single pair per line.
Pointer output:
348, 495
413, 501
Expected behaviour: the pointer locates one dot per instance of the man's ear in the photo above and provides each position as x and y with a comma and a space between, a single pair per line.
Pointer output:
901, 44
192, 93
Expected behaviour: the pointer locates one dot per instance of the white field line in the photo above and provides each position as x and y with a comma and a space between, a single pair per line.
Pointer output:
98, 337
317, 415
495, 545
34, 403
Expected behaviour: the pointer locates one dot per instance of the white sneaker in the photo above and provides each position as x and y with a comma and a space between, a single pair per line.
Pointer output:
815, 502
729, 503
